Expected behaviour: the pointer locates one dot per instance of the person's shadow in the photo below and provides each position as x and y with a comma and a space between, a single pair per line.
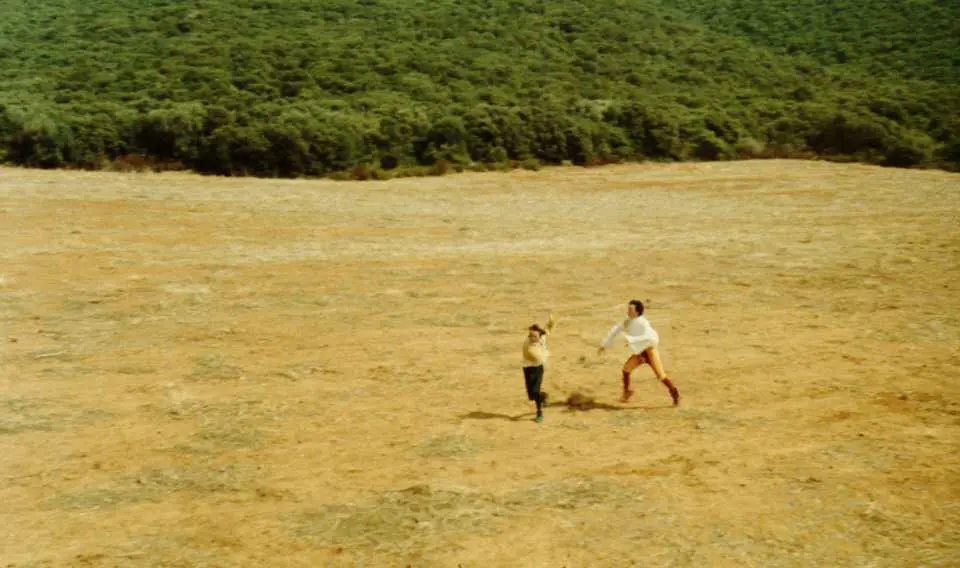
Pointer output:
574, 403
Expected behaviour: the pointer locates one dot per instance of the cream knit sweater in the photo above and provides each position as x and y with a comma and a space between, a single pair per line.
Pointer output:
535, 353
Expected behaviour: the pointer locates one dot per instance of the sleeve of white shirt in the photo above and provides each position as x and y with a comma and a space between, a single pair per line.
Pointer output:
608, 340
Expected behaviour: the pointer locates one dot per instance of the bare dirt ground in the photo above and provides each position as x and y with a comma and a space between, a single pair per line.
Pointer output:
239, 372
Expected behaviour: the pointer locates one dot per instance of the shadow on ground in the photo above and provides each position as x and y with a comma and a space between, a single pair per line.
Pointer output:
574, 403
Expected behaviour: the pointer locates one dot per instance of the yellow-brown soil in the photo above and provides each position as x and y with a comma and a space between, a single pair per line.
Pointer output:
238, 372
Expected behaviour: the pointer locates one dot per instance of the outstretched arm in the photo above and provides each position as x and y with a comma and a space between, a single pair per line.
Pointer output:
608, 340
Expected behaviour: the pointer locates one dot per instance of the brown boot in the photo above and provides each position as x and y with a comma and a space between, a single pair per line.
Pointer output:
627, 393
674, 393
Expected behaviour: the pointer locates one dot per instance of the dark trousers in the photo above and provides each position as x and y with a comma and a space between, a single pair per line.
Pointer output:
533, 377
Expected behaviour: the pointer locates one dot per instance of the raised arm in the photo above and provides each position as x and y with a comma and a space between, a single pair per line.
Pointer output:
551, 323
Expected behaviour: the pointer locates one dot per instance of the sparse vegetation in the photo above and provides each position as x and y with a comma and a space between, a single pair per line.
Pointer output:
156, 485
206, 371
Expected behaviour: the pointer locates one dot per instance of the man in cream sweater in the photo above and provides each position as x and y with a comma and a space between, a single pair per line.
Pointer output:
642, 340
535, 355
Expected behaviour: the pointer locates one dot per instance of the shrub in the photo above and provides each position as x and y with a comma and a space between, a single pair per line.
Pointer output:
531, 164
749, 148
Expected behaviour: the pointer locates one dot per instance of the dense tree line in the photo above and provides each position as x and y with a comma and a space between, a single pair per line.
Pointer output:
393, 87
917, 39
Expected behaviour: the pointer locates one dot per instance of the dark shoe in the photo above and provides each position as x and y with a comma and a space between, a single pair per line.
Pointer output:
626, 396
674, 393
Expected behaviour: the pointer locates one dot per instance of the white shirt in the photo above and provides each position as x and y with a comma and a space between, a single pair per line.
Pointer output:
638, 332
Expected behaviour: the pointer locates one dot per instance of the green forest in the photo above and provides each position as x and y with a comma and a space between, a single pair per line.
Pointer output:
911, 38
382, 88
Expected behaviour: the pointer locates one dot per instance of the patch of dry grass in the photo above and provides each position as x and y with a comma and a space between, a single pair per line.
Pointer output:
157, 485
448, 446
428, 522
215, 367
20, 415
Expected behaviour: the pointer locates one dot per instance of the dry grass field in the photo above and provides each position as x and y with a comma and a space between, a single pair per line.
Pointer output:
206, 372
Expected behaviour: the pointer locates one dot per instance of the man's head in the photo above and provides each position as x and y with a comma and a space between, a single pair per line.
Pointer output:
635, 308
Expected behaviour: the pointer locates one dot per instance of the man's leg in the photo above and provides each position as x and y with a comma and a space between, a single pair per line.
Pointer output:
653, 357
632, 363
529, 379
537, 384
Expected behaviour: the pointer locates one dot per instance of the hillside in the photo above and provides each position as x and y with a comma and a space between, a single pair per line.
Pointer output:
915, 39
293, 87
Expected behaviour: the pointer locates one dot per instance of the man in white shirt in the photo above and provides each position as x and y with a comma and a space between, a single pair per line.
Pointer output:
642, 340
